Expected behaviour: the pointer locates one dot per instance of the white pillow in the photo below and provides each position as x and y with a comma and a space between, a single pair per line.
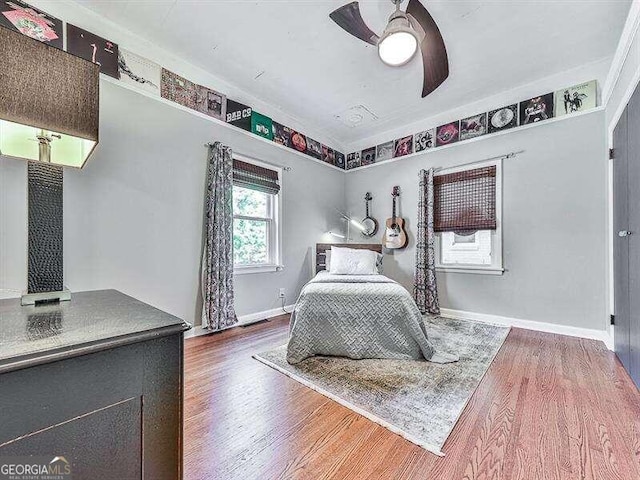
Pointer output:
327, 261
349, 261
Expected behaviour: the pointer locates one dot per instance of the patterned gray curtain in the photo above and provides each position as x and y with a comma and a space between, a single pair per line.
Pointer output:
425, 287
217, 258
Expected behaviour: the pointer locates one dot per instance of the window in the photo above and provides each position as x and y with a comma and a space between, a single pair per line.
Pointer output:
468, 209
256, 242
468, 248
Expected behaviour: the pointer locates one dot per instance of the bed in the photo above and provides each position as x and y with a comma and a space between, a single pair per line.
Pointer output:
357, 316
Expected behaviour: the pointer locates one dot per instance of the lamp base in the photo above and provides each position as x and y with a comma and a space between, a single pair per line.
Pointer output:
33, 298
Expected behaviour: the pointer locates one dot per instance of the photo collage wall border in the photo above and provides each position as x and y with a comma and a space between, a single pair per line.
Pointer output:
142, 73
154, 79
565, 101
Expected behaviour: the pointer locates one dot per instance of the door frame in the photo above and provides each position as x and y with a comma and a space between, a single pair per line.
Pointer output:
615, 75
631, 88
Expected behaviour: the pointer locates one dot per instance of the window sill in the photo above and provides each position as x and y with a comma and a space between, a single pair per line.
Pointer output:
471, 269
245, 270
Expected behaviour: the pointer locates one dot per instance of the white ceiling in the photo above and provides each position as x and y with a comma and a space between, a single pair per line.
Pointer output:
291, 55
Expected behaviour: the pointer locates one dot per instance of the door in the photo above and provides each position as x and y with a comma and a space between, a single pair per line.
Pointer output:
633, 236
626, 237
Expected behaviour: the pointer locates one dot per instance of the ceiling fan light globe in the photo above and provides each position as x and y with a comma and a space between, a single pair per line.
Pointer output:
399, 42
397, 48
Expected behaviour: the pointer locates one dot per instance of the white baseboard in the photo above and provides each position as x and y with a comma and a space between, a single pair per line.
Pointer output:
256, 317
601, 335
248, 319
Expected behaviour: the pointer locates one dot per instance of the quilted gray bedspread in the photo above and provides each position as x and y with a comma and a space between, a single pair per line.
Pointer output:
358, 316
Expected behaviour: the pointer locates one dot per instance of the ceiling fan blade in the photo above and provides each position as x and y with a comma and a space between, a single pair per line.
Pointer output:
349, 18
435, 61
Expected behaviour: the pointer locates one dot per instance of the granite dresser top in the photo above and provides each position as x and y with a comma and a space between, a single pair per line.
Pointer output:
89, 322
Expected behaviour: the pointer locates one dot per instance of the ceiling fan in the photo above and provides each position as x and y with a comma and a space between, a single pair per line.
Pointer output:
405, 32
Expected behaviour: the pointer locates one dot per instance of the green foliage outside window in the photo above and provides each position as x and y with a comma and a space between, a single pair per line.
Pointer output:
250, 235
249, 203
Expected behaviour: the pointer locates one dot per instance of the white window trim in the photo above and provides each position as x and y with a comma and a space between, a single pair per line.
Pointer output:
496, 267
275, 244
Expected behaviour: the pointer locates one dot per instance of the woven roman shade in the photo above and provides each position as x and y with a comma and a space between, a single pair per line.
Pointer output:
248, 175
465, 201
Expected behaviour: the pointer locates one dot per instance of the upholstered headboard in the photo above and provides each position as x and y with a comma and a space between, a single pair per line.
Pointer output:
321, 249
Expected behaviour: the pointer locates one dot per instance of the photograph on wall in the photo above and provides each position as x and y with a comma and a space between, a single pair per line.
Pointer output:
503, 118
180, 90
139, 72
403, 146
328, 155
32, 22
340, 160
96, 49
353, 160
212, 103
239, 115
261, 125
384, 151
424, 140
536, 109
298, 141
474, 126
314, 148
575, 99
368, 156
447, 134
281, 134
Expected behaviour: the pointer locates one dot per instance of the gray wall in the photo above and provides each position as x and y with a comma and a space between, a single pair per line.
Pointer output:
554, 223
133, 215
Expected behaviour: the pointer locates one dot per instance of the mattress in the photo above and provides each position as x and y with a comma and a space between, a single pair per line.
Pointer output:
359, 316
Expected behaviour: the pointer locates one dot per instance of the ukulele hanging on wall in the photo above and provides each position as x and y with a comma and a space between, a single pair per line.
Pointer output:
395, 237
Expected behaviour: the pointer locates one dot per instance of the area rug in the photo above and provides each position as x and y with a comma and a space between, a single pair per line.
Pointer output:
418, 400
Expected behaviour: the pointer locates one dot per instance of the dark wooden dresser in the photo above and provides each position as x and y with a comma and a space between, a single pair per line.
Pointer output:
97, 380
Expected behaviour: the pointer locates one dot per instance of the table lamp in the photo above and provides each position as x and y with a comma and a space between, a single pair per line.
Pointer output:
350, 222
49, 113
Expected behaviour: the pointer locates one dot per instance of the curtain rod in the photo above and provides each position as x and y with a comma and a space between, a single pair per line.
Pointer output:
283, 167
497, 157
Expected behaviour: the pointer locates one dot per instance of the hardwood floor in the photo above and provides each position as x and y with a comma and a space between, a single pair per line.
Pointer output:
550, 407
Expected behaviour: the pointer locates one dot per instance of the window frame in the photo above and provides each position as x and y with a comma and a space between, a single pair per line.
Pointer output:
496, 266
274, 226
